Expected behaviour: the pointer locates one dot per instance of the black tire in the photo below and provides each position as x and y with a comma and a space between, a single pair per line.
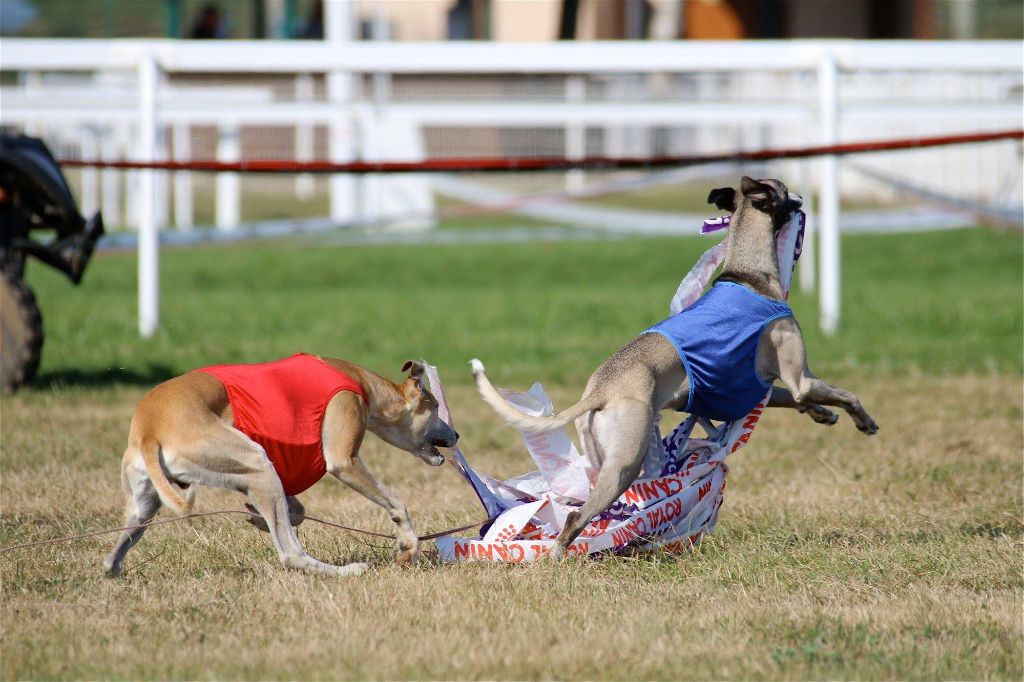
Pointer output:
21, 333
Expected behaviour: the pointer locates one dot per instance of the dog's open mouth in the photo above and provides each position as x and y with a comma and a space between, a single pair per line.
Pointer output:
433, 457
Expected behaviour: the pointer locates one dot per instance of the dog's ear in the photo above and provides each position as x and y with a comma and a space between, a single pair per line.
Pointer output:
414, 384
724, 198
763, 196
414, 368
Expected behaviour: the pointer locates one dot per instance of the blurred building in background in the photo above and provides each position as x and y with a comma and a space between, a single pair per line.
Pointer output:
565, 96
526, 20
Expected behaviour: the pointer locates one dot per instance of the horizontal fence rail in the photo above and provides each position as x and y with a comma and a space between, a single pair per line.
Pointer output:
240, 56
545, 164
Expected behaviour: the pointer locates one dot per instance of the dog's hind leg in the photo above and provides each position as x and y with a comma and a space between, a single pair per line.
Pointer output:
226, 458
143, 504
296, 514
622, 432
584, 427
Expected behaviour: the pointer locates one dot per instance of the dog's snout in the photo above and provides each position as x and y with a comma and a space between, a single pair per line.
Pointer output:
795, 200
451, 436
446, 439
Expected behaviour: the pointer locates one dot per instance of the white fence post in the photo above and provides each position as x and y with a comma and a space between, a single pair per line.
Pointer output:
113, 179
162, 180
304, 92
828, 197
149, 256
575, 133
90, 176
370, 190
33, 83
184, 211
229, 185
338, 30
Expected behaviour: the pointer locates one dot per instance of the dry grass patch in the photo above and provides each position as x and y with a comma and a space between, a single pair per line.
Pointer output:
836, 556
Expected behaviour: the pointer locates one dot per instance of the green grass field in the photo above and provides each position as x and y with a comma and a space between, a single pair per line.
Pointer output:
836, 556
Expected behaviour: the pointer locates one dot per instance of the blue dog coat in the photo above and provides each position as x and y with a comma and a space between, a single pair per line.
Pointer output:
717, 339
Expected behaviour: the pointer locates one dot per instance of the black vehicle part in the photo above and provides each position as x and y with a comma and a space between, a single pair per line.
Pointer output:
35, 196
21, 333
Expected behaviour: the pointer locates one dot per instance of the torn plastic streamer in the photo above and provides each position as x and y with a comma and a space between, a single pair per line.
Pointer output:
673, 504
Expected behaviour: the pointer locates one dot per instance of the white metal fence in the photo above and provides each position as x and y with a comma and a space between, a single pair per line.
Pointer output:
155, 99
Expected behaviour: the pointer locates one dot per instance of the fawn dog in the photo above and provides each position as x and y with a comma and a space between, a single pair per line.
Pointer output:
270, 431
716, 359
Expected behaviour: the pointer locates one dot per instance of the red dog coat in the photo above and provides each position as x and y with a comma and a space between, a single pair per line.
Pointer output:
281, 406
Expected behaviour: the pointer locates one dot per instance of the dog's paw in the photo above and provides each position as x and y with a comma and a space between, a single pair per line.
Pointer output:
862, 420
867, 425
352, 570
553, 555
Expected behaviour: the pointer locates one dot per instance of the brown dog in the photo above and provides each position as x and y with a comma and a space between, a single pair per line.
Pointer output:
184, 433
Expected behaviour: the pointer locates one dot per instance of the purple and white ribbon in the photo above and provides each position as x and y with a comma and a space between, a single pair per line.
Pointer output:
715, 224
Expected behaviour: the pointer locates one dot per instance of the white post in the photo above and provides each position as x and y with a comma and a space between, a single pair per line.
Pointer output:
32, 85
162, 181
276, 26
964, 20
90, 176
380, 30
229, 185
304, 185
575, 133
371, 190
339, 28
667, 20
615, 134
132, 217
110, 149
828, 88
184, 211
149, 257
376, 193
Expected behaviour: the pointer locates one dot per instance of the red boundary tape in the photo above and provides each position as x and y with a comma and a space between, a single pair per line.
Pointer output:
500, 164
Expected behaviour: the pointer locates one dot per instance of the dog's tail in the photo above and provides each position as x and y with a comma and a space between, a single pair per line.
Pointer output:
525, 422
150, 449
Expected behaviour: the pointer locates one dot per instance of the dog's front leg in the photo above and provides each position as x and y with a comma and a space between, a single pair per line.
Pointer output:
354, 474
785, 356
344, 426
781, 397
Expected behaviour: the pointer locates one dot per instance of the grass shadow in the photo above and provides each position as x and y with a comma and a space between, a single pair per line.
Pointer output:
989, 529
113, 376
